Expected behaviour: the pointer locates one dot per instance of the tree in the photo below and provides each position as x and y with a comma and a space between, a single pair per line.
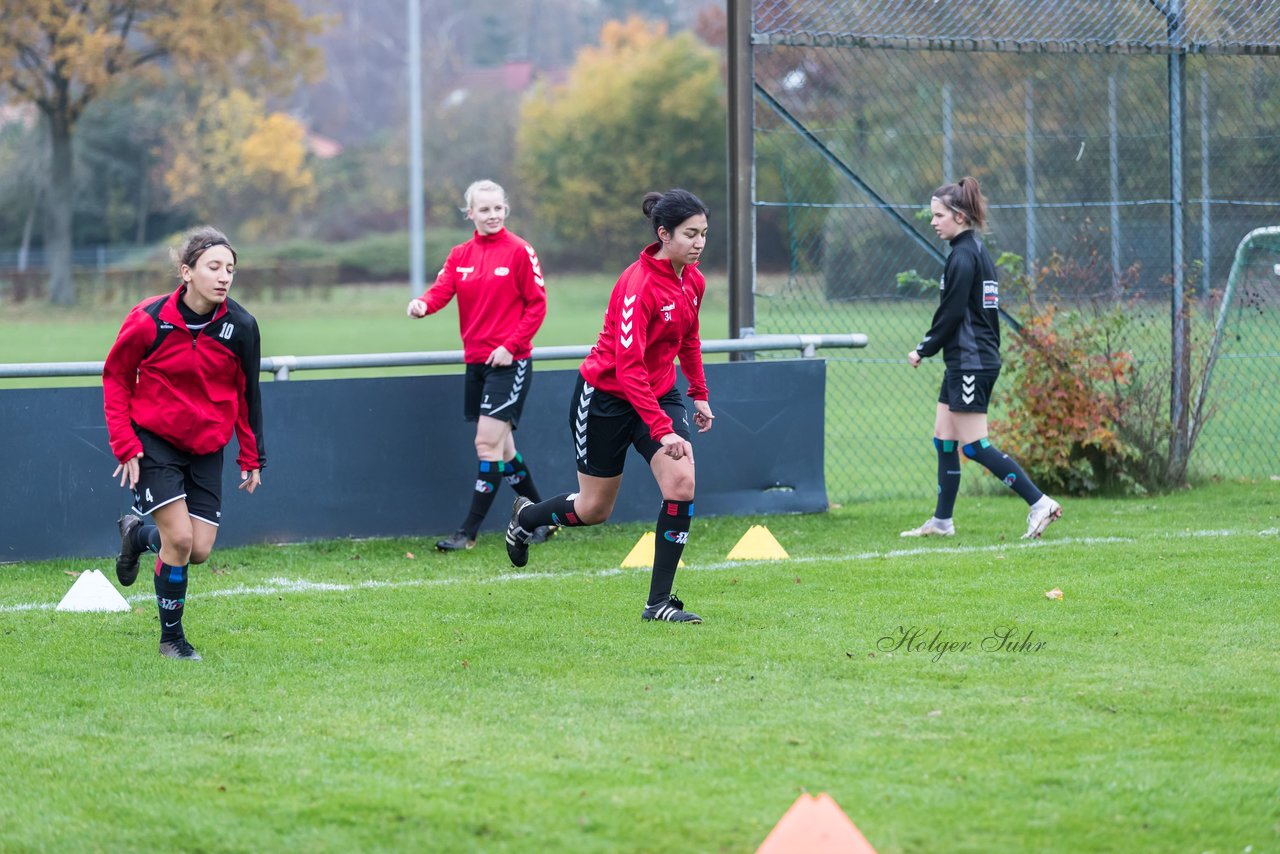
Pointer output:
61, 55
232, 160
644, 111
21, 159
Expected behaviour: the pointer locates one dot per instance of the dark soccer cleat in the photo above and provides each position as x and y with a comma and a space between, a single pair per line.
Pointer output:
518, 537
127, 560
456, 542
671, 610
542, 533
179, 649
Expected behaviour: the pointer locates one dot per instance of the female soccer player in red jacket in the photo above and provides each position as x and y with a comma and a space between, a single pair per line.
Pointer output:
181, 377
626, 396
502, 301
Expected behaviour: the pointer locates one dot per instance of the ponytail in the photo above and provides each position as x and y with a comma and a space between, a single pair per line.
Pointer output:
965, 198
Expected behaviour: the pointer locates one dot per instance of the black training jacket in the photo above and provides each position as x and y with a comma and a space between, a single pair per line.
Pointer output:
966, 326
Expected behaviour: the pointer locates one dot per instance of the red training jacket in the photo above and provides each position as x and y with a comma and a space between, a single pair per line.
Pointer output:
652, 318
190, 389
502, 299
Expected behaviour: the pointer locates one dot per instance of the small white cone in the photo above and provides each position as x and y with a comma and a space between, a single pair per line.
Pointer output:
93, 592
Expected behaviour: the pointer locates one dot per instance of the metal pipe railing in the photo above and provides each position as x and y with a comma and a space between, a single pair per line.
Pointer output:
281, 366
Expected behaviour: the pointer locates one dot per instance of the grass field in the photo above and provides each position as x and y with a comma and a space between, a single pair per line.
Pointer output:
376, 695
879, 412
344, 319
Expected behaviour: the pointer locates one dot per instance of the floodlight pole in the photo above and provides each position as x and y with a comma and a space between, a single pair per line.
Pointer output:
742, 215
417, 259
1179, 379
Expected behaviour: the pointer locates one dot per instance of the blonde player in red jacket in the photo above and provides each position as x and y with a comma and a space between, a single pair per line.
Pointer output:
502, 301
181, 377
626, 397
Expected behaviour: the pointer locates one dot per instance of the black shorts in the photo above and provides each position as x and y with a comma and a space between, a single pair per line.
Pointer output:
167, 474
967, 391
605, 425
497, 392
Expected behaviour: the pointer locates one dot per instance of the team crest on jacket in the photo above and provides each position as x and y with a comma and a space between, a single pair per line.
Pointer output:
502, 271
990, 294
666, 311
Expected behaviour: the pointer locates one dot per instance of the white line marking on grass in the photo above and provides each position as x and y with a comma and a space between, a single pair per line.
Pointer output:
28, 606
277, 585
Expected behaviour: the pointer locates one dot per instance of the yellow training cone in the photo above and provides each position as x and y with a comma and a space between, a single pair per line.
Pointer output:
641, 554
758, 544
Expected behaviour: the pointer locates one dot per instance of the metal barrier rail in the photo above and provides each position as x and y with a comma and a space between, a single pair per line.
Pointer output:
281, 366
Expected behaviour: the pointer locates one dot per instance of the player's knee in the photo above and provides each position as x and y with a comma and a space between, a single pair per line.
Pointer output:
679, 487
592, 512
488, 450
178, 543
199, 555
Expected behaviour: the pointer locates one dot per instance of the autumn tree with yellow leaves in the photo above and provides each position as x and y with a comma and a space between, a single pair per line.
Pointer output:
61, 55
232, 159
643, 111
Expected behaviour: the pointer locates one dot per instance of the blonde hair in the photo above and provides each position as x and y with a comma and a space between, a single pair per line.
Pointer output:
483, 186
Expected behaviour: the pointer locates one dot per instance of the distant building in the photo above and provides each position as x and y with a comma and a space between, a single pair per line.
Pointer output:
513, 77
18, 114
322, 147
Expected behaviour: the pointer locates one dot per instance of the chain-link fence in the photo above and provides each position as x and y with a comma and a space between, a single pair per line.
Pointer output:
1062, 108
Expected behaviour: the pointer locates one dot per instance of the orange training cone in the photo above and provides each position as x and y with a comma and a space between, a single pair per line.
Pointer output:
815, 826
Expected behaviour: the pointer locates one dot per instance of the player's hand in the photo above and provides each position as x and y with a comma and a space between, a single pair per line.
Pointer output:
128, 471
417, 308
250, 480
676, 447
913, 359
703, 417
499, 358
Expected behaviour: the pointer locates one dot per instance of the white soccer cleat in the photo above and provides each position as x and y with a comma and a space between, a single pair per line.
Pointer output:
1042, 514
935, 527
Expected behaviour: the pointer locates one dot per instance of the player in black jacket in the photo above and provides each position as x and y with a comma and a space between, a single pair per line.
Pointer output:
966, 328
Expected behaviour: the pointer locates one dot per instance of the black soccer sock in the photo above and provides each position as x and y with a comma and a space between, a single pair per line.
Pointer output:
1004, 467
171, 595
520, 479
672, 534
948, 477
487, 480
553, 511
146, 538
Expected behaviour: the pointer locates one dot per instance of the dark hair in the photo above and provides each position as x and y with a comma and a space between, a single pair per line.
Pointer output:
667, 210
965, 197
196, 241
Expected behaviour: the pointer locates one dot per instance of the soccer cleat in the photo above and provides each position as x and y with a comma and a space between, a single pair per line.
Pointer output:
542, 533
456, 542
518, 537
935, 527
670, 610
179, 649
127, 560
1042, 514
